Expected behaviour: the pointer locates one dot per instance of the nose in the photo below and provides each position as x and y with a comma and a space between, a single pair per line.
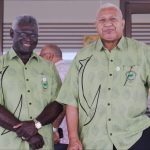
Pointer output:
108, 22
28, 38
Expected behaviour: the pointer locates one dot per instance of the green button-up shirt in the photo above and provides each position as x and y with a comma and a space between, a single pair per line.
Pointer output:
25, 91
110, 90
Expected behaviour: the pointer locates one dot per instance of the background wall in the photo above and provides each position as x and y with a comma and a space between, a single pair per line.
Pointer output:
55, 10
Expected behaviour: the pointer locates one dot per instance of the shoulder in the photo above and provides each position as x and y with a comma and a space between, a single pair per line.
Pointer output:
86, 51
135, 44
138, 48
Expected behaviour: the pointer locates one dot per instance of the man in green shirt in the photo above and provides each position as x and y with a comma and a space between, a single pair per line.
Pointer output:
106, 89
29, 85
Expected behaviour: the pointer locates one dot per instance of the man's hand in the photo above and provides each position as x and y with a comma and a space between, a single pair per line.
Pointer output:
56, 137
36, 141
74, 144
26, 129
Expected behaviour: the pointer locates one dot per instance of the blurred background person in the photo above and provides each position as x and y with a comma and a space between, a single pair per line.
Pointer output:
53, 53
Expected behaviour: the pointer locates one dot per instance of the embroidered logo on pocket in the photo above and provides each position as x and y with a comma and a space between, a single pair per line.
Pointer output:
131, 75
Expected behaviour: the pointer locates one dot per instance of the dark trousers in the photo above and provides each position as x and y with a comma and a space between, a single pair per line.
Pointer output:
60, 146
143, 143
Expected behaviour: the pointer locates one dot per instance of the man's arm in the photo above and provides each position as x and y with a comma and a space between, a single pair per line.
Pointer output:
56, 124
72, 123
7, 119
28, 129
50, 113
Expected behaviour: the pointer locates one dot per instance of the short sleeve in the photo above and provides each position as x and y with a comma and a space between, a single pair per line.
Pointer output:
69, 91
56, 83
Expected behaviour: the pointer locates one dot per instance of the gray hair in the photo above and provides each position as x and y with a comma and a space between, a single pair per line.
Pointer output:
110, 5
23, 20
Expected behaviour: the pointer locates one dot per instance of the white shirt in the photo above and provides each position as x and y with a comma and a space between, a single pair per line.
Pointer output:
62, 68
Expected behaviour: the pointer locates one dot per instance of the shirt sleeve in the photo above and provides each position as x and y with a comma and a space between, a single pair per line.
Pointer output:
55, 84
69, 90
147, 61
1, 75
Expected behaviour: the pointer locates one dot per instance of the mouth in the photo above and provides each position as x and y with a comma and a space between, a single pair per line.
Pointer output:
26, 44
108, 30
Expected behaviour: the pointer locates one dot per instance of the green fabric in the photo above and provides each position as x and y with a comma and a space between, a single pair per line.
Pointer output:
110, 91
27, 80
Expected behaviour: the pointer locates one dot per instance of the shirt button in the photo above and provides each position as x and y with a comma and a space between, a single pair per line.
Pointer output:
117, 68
108, 104
109, 89
27, 79
110, 134
30, 117
30, 103
25, 68
111, 60
110, 74
28, 91
109, 119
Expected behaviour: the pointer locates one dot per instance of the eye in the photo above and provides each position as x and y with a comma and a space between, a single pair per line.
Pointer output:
33, 35
113, 19
22, 34
102, 20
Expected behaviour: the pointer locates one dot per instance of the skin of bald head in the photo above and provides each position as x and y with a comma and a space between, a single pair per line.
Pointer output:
110, 24
51, 52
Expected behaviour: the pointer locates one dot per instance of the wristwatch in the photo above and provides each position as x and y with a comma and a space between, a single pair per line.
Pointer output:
55, 129
38, 124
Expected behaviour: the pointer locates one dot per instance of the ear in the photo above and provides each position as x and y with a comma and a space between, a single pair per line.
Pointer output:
123, 23
11, 33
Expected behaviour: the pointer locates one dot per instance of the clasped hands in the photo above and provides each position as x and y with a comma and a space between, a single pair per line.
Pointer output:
27, 131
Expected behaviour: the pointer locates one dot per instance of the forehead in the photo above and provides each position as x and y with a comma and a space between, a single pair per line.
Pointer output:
110, 11
27, 27
46, 50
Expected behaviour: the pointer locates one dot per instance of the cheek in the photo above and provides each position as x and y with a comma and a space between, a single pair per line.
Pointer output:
99, 29
46, 57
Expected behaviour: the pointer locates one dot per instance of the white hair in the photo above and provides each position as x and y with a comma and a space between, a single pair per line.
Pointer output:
109, 5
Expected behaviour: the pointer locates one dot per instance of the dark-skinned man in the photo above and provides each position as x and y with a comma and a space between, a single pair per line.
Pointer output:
29, 86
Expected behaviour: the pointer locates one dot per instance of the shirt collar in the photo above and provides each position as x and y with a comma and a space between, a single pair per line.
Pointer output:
121, 45
13, 55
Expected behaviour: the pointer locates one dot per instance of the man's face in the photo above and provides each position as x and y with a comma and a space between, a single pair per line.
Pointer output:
47, 54
25, 38
109, 24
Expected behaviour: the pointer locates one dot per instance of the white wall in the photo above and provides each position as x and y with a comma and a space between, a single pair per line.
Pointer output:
54, 11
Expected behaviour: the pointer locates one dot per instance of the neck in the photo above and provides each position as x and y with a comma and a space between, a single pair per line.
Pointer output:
110, 44
24, 57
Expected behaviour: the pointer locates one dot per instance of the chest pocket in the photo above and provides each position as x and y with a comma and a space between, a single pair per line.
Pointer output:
130, 75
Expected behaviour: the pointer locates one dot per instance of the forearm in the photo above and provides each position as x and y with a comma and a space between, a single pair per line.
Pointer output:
59, 119
50, 113
7, 119
72, 121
